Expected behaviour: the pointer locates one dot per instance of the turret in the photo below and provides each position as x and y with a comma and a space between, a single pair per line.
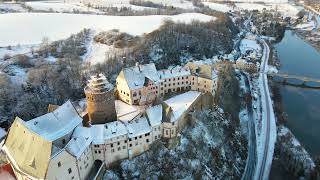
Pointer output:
100, 100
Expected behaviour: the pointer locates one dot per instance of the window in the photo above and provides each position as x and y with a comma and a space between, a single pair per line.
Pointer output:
178, 83
147, 134
118, 143
169, 79
127, 94
59, 164
69, 170
95, 152
182, 78
173, 84
167, 132
136, 143
134, 94
140, 137
155, 137
173, 124
187, 77
161, 83
135, 138
130, 145
125, 141
123, 147
63, 141
147, 140
112, 150
111, 145
169, 84
174, 79
130, 139
178, 78
72, 177
165, 85
119, 148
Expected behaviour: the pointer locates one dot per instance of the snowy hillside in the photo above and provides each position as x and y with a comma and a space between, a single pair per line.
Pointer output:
29, 28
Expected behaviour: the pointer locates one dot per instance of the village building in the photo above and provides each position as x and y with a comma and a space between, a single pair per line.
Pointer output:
142, 84
246, 65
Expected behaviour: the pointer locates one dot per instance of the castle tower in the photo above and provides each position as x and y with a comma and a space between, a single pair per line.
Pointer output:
100, 100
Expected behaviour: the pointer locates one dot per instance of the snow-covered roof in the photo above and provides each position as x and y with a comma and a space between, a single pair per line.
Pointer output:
126, 112
176, 71
154, 114
98, 84
81, 139
56, 124
103, 132
136, 75
138, 127
180, 103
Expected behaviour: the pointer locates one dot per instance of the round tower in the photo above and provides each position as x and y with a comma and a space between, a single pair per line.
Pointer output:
100, 100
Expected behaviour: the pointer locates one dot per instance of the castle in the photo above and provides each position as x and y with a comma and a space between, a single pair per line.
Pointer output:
118, 123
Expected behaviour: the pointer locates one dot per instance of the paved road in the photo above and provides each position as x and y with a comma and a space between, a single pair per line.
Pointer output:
263, 170
252, 148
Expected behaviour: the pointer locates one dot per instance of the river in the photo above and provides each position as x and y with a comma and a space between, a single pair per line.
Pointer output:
302, 105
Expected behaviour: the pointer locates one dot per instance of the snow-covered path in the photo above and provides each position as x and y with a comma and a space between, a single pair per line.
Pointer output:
268, 131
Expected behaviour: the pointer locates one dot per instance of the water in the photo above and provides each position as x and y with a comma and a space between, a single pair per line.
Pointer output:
302, 105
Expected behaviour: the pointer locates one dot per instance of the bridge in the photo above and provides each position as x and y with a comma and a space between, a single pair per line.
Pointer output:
301, 81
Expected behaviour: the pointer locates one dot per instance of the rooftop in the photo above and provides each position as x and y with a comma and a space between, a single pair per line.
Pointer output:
154, 114
138, 127
180, 103
56, 124
81, 139
102, 132
136, 75
176, 71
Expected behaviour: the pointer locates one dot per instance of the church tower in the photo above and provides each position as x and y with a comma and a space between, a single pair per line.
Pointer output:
100, 100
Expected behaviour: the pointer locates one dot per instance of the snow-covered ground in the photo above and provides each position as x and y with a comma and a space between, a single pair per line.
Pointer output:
218, 6
59, 6
308, 26
286, 9
11, 7
31, 28
248, 44
126, 3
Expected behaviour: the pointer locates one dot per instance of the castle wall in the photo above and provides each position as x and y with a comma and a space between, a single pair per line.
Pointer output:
63, 166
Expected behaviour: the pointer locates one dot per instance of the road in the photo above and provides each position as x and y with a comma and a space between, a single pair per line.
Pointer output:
268, 148
252, 148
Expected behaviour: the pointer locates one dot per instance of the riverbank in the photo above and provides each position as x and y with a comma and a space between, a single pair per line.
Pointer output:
311, 37
283, 166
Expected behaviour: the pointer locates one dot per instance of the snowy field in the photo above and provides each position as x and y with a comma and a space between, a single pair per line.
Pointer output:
218, 6
31, 28
286, 9
59, 6
126, 3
